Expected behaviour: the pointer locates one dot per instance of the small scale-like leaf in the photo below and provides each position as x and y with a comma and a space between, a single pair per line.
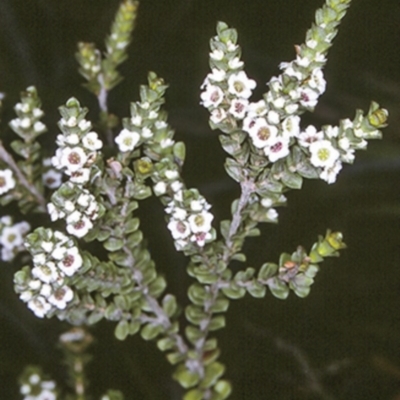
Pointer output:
122, 330
150, 331
186, 378
267, 270
216, 323
223, 388
278, 288
113, 244
213, 372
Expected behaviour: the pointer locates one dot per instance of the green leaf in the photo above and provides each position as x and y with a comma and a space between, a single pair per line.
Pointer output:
132, 225
195, 314
267, 270
278, 288
134, 239
234, 169
221, 305
175, 358
212, 373
234, 291
169, 305
292, 180
194, 394
225, 227
157, 286
197, 294
134, 327
113, 244
122, 330
150, 331
193, 333
216, 323
186, 378
257, 290
223, 388
165, 344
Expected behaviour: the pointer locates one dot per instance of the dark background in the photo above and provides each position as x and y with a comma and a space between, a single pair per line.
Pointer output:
343, 341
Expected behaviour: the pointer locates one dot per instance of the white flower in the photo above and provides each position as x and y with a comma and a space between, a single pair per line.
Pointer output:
291, 126
317, 80
47, 273
54, 213
176, 186
277, 148
273, 117
311, 43
200, 238
82, 176
231, 46
308, 98
39, 127
52, 179
302, 61
153, 114
310, 135
261, 133
272, 215
235, 63
217, 75
7, 181
257, 109
179, 213
167, 142
47, 246
146, 133
291, 108
348, 157
279, 102
127, 140
136, 120
240, 85
200, 222
344, 143
197, 205
73, 159
171, 174
45, 395
79, 228
217, 115
91, 141
212, 96
39, 306
323, 154
11, 237
179, 229
331, 131
71, 261
238, 108
160, 125
61, 296
329, 173
217, 54
84, 125
160, 188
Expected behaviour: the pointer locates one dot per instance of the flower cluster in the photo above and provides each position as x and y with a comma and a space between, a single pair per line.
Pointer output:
77, 206
189, 219
7, 181
55, 258
34, 386
51, 178
28, 124
12, 237
76, 155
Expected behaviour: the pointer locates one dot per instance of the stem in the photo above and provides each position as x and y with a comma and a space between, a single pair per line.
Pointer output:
102, 98
9, 160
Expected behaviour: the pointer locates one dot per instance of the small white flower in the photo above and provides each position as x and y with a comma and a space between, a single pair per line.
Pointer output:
39, 127
262, 133
331, 131
72, 139
136, 120
160, 125
73, 159
291, 126
146, 133
26, 295
54, 213
82, 176
25, 123
310, 135
46, 273
257, 109
171, 174
308, 98
277, 148
317, 81
7, 181
84, 199
235, 63
344, 143
153, 114
200, 238
127, 140
291, 108
45, 290
329, 173
240, 85
348, 157
200, 222
61, 296
231, 46
302, 61
160, 188
179, 213
71, 261
176, 186
80, 228
273, 117
39, 306
217, 55
84, 125
290, 71
34, 379
47, 246
179, 229
45, 395
217, 75
52, 179
323, 154
11, 237
238, 108
272, 215
167, 142
91, 141
69, 206
217, 115
279, 102
311, 43
197, 205
39, 259
212, 96
59, 253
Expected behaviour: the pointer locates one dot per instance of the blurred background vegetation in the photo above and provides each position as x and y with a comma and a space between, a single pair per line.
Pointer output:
343, 341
